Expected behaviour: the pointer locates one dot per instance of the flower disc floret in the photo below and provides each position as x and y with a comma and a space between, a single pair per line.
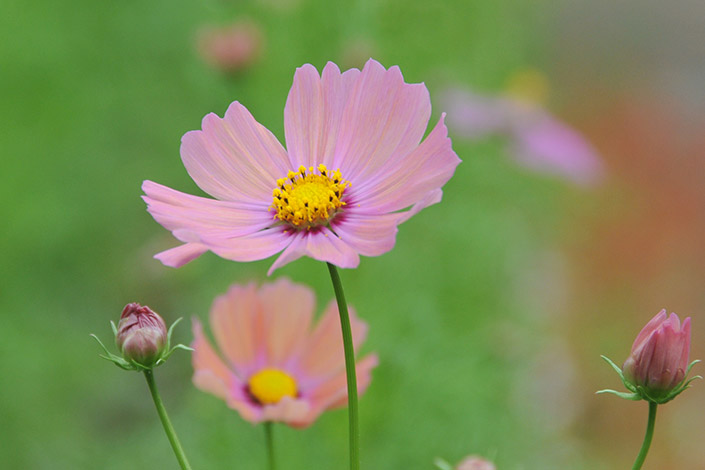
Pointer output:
269, 386
305, 199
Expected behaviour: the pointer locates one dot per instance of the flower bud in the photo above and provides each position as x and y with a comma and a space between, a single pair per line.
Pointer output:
474, 462
658, 362
141, 335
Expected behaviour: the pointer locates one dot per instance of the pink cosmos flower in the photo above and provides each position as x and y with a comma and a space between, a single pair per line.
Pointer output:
277, 366
659, 358
537, 140
354, 162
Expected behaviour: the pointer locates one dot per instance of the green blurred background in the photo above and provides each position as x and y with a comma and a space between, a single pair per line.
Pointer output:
490, 313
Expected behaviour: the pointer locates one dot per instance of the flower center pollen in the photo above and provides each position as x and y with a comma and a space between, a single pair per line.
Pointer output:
305, 199
269, 386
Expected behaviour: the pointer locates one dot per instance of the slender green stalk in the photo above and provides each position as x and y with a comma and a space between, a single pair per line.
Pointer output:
647, 438
349, 369
269, 443
168, 428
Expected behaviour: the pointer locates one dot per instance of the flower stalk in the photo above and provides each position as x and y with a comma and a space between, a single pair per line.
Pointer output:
353, 420
647, 437
168, 428
269, 443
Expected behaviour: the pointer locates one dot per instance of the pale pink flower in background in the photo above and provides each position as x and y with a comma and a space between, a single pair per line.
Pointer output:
231, 48
537, 140
277, 365
473, 462
659, 358
355, 162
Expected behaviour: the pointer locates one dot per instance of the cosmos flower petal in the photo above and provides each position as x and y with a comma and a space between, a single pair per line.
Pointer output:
685, 353
368, 234
258, 245
545, 144
431, 198
313, 113
182, 254
322, 245
428, 167
206, 217
650, 327
289, 410
234, 158
210, 373
292, 252
324, 354
238, 328
384, 119
333, 393
212, 376
285, 335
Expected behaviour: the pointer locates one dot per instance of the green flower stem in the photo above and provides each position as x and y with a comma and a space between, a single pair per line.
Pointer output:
354, 428
647, 438
269, 443
168, 428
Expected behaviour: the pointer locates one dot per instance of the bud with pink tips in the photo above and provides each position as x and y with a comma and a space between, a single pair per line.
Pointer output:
657, 366
141, 335
471, 462
142, 338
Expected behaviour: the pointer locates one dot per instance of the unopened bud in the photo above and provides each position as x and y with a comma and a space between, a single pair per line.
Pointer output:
474, 462
657, 367
660, 355
141, 335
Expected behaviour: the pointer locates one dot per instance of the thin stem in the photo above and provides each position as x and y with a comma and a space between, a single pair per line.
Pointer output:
168, 428
349, 369
647, 438
269, 443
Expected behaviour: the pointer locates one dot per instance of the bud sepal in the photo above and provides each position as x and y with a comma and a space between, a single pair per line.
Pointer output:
639, 392
442, 464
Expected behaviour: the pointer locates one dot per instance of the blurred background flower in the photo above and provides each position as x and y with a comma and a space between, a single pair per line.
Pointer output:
536, 139
518, 272
279, 366
233, 48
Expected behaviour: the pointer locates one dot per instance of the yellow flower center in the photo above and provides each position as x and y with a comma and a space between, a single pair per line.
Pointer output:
268, 386
306, 199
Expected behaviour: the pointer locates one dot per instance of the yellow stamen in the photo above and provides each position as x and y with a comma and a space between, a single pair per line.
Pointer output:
269, 386
305, 199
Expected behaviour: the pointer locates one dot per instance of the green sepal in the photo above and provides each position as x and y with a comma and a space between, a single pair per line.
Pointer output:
625, 395
169, 350
117, 360
442, 464
618, 369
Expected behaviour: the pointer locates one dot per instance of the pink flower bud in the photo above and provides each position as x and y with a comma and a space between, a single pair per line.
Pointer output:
474, 462
659, 358
142, 335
